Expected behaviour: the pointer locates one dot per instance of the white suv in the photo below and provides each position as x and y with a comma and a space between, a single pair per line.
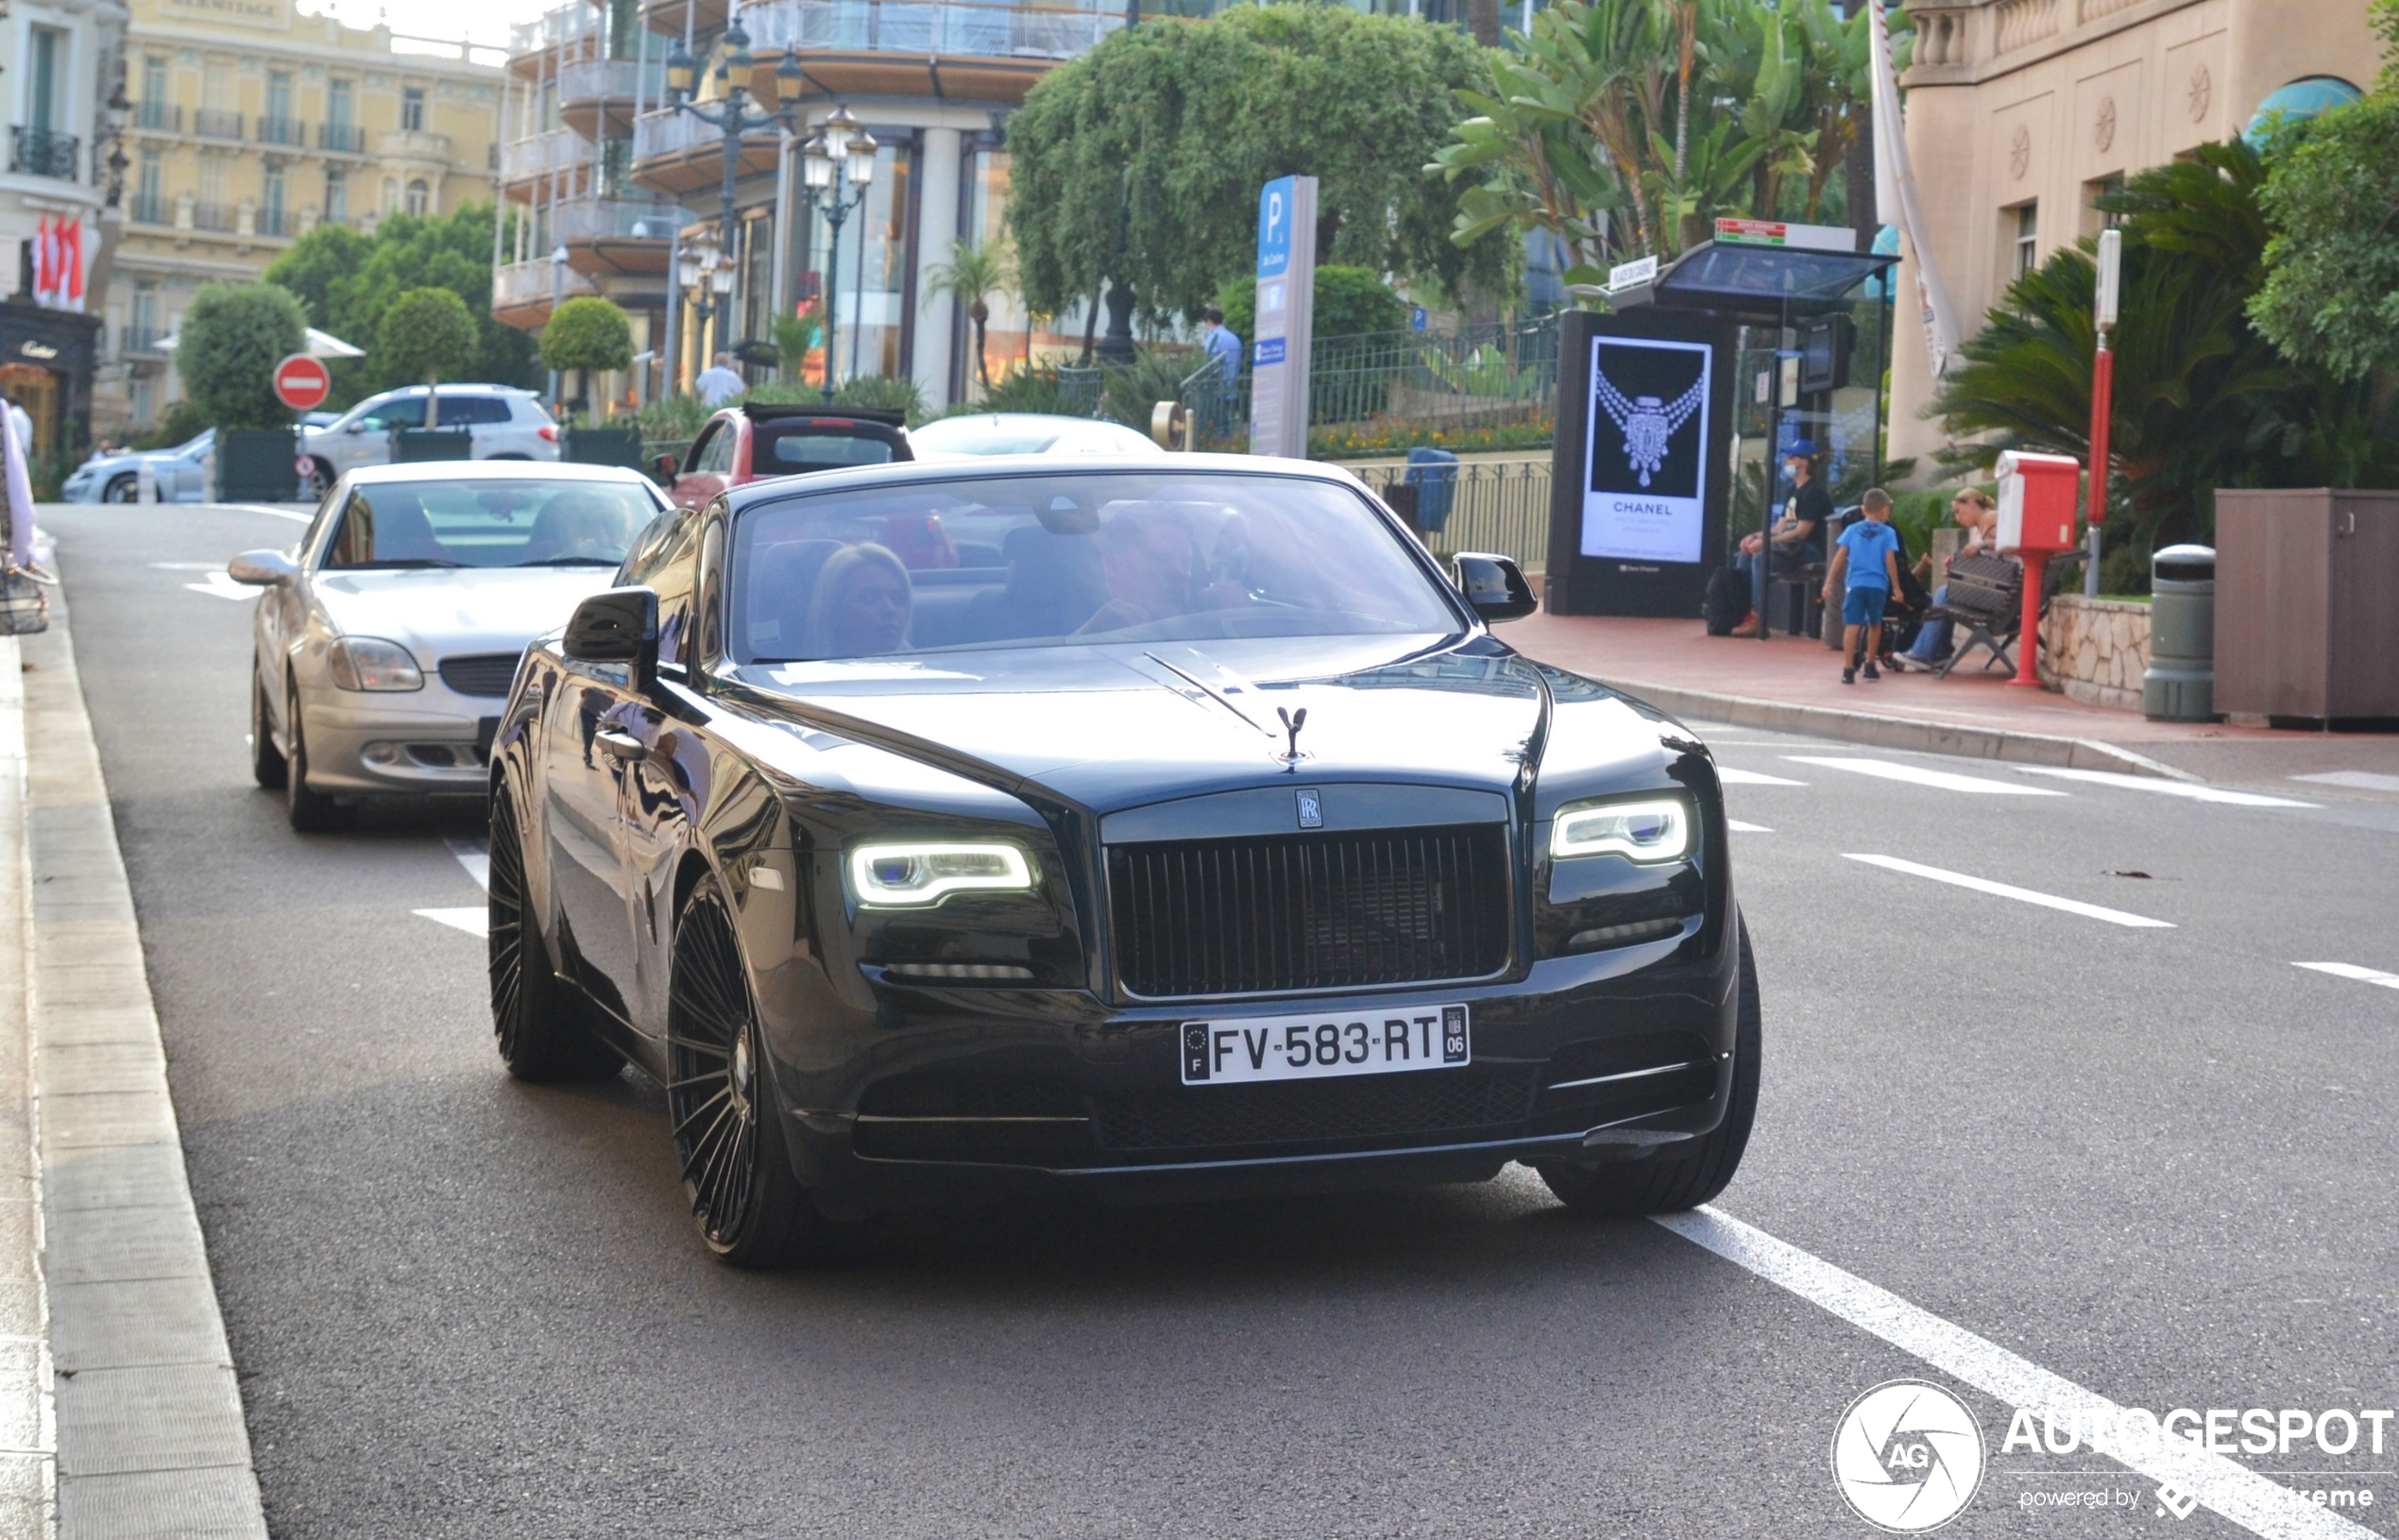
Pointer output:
508, 424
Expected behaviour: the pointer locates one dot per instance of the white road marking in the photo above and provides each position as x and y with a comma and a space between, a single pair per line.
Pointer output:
2195, 791
221, 584
1738, 827
2251, 1500
1731, 776
2350, 970
189, 567
1984, 885
474, 921
262, 508
475, 855
2362, 780
1916, 774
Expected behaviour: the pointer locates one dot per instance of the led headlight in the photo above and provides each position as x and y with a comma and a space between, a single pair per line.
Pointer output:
368, 663
1653, 829
917, 874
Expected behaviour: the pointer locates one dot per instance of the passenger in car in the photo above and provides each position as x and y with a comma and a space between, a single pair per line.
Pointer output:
861, 606
1147, 556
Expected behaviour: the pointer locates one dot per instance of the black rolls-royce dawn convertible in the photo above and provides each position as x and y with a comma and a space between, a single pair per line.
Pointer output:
1154, 826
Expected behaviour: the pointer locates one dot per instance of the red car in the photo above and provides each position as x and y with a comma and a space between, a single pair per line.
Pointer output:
756, 443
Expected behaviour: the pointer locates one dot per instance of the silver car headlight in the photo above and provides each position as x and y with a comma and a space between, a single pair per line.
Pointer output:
369, 662
915, 874
1650, 829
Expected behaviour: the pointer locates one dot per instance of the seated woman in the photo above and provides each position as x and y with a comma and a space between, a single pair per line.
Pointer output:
861, 604
1980, 518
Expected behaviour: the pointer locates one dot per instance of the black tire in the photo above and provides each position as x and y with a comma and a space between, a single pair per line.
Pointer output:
267, 766
125, 488
727, 1127
536, 1020
320, 477
1666, 1185
311, 812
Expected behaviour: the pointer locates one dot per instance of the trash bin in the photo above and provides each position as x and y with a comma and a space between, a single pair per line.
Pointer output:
1434, 474
2180, 685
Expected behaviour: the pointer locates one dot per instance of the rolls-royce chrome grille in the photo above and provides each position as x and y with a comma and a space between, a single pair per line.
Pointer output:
1310, 911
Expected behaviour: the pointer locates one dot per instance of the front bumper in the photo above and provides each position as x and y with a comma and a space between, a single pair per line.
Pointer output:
1617, 1054
428, 742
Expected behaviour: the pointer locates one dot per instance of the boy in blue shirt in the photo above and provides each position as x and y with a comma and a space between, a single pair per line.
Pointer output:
1869, 555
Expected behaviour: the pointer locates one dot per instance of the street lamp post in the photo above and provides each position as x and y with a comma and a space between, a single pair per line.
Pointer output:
118, 112
839, 152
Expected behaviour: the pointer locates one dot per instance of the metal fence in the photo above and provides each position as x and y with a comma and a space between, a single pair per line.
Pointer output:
1406, 384
1500, 506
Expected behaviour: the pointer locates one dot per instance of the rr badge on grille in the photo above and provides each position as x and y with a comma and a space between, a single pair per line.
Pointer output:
1311, 809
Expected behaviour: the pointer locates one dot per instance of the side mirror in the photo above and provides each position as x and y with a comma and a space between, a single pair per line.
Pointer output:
262, 569
618, 625
666, 467
1494, 586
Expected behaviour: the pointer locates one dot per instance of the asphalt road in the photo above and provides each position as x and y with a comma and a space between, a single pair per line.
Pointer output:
2153, 1161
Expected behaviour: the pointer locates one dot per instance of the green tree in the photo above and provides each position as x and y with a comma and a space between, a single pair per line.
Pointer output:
1350, 302
426, 333
231, 339
973, 276
796, 337
587, 333
1143, 158
349, 283
2331, 295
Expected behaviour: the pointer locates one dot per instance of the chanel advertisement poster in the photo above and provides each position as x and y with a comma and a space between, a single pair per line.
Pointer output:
1648, 410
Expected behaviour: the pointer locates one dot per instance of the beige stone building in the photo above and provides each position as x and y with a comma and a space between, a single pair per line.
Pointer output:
2021, 112
252, 124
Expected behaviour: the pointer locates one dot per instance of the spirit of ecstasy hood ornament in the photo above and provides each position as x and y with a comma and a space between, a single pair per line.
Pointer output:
1291, 725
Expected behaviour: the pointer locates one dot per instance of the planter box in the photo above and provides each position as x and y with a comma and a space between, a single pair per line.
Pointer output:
410, 444
2308, 607
257, 465
601, 446
2096, 649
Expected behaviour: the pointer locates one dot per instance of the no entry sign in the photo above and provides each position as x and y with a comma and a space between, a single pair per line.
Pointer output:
301, 382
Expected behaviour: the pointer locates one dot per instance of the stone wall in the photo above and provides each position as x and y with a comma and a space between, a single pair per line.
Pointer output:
2096, 649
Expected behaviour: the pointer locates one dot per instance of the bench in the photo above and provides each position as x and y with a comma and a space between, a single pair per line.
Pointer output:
1986, 602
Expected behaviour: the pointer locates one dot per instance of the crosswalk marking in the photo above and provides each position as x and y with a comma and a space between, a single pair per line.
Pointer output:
2350, 970
220, 584
2362, 780
2194, 790
474, 921
475, 855
1916, 774
2023, 895
1731, 776
1738, 827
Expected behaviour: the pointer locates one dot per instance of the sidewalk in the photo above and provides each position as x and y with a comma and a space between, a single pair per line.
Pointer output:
1793, 683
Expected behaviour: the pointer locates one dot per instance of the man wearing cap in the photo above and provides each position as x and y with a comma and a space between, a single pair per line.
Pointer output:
1798, 539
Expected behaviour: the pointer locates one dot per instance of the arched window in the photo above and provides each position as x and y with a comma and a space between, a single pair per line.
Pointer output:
420, 196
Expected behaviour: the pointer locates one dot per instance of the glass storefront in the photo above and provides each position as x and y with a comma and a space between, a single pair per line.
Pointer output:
1011, 339
870, 309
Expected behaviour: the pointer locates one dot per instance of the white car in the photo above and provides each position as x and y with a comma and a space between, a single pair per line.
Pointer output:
508, 424
388, 637
976, 434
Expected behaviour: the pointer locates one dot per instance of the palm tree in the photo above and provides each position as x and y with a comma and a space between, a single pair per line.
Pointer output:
974, 276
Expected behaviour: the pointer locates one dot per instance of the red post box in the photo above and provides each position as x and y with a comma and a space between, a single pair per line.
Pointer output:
2037, 498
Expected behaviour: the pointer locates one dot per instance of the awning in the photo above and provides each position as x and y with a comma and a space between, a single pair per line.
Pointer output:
320, 345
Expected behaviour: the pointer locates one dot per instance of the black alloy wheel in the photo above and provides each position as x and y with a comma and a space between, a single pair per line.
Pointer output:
1667, 1184
320, 477
728, 1131
267, 767
311, 812
535, 1018
125, 488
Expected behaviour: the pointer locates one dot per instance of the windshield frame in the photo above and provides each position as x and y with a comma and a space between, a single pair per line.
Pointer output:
780, 492
326, 527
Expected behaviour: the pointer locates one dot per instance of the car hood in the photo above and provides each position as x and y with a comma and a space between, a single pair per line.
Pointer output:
115, 463
440, 610
1104, 728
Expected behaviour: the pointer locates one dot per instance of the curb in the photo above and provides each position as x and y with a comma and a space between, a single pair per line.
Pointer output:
1899, 732
151, 1438
28, 1417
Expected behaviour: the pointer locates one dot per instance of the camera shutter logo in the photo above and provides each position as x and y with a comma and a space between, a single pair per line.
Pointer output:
1908, 1456
1649, 423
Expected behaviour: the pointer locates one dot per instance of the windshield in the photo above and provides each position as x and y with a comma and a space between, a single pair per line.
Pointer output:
986, 436
516, 522
1034, 561
195, 444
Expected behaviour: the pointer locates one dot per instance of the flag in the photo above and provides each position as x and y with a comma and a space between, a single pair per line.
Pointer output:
41, 262
70, 265
1896, 203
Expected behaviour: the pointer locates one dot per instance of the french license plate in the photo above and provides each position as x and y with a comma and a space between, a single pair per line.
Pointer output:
1250, 1049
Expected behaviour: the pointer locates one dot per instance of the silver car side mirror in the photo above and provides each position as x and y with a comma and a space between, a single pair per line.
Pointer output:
262, 569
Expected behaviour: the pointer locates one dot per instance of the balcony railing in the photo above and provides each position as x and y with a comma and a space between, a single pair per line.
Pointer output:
212, 216
613, 80
341, 139
925, 28
215, 123
158, 118
42, 152
560, 150
290, 131
564, 24
149, 209
617, 219
413, 145
274, 222
140, 339
515, 284
669, 132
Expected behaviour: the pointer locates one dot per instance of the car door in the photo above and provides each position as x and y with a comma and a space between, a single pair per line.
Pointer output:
709, 467
368, 440
282, 618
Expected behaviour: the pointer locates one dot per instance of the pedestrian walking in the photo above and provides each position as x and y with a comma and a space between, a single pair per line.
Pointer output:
1869, 557
719, 383
1223, 347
